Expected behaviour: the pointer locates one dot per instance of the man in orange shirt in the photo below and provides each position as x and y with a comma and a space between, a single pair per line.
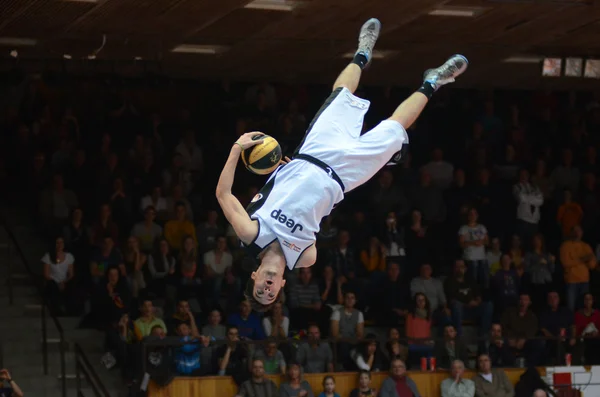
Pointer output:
577, 259
569, 214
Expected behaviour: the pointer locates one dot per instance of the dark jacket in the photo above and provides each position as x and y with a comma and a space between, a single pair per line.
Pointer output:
443, 358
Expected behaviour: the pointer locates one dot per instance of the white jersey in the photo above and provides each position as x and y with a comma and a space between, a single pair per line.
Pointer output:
289, 208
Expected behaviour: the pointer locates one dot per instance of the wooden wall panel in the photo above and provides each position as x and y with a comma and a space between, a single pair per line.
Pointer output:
224, 386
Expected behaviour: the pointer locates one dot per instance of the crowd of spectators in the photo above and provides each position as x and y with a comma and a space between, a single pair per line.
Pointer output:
491, 221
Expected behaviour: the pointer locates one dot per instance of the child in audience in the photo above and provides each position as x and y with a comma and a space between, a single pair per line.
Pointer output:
328, 387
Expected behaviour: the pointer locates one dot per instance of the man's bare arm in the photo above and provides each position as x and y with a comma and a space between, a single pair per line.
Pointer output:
245, 228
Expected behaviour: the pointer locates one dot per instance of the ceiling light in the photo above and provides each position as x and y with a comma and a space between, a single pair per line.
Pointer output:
200, 49
18, 41
138, 58
14, 53
451, 11
377, 54
67, 56
91, 56
523, 59
272, 5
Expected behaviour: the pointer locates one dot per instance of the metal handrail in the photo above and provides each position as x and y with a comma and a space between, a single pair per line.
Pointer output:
39, 286
82, 365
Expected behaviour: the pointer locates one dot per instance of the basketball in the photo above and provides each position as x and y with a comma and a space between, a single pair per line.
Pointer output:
264, 158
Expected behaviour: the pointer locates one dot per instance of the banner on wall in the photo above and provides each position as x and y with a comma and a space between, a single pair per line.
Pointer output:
588, 381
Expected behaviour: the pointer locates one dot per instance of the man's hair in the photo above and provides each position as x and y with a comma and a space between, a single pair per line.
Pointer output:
254, 303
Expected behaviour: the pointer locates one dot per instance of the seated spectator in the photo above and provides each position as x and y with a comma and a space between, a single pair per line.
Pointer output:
110, 299
183, 314
342, 258
187, 264
104, 258
391, 297
491, 382
394, 238
577, 259
473, 238
161, 265
418, 241
147, 231
121, 346
177, 197
272, 358
529, 200
14, 390
331, 288
328, 387
258, 385
557, 322
418, 328
498, 348
456, 385
191, 154
367, 355
433, 289
587, 325
176, 174
429, 200
295, 386
540, 266
247, 323
505, 285
373, 258
187, 357
214, 328
347, 325
516, 254
232, 356
394, 348
364, 388
450, 349
305, 302
159, 359
398, 384
120, 205
57, 203
144, 324
276, 324
156, 201
209, 231
520, 325
315, 355
135, 266
218, 271
77, 236
58, 273
440, 170
493, 256
177, 229
569, 214
466, 301
104, 226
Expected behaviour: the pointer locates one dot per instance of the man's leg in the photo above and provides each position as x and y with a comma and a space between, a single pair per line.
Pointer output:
350, 76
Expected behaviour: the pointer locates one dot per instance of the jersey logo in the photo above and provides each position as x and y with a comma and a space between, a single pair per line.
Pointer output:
291, 246
257, 197
286, 220
357, 104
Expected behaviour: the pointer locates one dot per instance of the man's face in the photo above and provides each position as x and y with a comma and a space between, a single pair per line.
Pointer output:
268, 281
349, 300
485, 364
245, 309
215, 317
524, 302
553, 299
258, 369
147, 308
183, 329
180, 212
450, 332
393, 271
113, 276
233, 335
314, 335
271, 349
460, 268
458, 369
183, 307
398, 368
150, 214
496, 331
305, 275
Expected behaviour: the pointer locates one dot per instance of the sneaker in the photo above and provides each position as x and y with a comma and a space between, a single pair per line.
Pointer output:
448, 72
367, 37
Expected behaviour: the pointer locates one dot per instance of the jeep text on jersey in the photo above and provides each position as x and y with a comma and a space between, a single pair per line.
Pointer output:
286, 220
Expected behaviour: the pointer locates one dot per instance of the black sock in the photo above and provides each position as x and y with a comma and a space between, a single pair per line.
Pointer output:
427, 89
360, 60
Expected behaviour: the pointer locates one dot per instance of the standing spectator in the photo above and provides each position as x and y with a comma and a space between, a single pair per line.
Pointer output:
247, 323
543, 181
232, 355
364, 388
295, 386
276, 325
147, 231
473, 238
520, 325
398, 384
258, 385
565, 175
418, 326
314, 355
456, 385
529, 200
178, 228
540, 265
328, 387
305, 302
58, 272
466, 301
214, 328
587, 325
440, 170
577, 259
14, 390
450, 348
569, 214
491, 382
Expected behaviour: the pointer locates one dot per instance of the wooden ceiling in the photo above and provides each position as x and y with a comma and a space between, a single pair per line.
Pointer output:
304, 45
